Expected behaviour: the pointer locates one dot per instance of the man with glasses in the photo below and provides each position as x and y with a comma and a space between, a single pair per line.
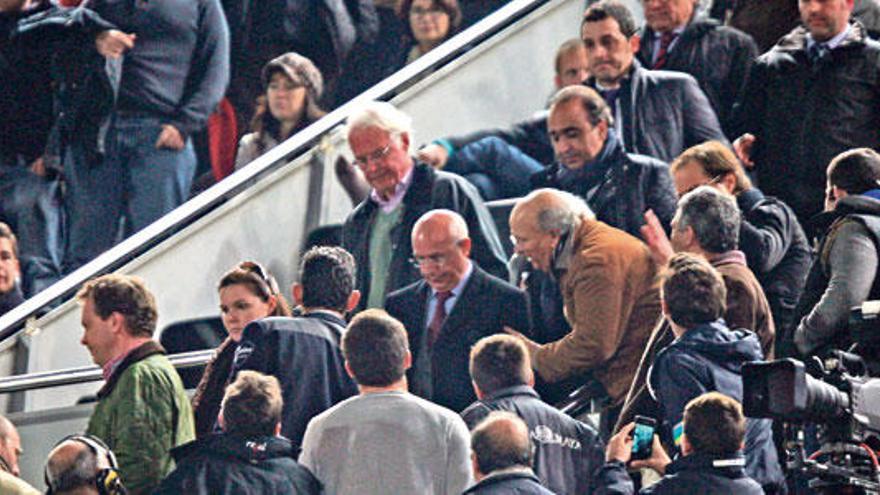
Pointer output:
454, 305
377, 231
609, 288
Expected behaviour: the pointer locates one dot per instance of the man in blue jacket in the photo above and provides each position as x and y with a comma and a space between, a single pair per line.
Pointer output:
711, 460
707, 356
303, 351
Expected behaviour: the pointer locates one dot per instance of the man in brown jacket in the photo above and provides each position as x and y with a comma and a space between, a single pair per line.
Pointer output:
609, 289
707, 223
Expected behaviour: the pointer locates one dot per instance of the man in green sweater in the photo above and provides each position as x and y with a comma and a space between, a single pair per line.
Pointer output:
142, 409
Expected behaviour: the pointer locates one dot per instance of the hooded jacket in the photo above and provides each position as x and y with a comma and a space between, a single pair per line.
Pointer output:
695, 474
221, 464
843, 276
709, 357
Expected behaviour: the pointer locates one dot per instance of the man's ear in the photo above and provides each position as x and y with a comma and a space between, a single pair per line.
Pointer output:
404, 141
353, 299
348, 370
479, 393
686, 447
634, 42
297, 292
728, 182
407, 361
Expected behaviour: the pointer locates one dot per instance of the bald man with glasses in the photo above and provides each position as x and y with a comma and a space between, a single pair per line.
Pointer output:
454, 305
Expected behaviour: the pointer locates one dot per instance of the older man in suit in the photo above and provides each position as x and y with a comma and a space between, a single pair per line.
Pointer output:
454, 305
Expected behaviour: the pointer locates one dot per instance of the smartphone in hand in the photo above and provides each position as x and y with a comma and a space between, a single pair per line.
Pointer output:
643, 437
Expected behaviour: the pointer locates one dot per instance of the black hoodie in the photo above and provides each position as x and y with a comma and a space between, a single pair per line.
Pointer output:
709, 358
226, 464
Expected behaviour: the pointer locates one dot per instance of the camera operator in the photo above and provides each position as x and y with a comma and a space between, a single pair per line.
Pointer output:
843, 275
711, 460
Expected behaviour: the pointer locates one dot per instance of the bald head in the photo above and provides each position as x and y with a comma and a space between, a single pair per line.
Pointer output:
441, 248
500, 441
540, 219
71, 468
440, 225
10, 446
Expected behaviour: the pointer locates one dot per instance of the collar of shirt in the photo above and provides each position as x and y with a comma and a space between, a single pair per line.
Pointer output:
388, 205
833, 42
110, 366
734, 256
456, 291
510, 470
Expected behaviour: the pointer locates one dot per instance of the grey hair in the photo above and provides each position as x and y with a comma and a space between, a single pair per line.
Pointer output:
80, 473
713, 216
382, 115
564, 215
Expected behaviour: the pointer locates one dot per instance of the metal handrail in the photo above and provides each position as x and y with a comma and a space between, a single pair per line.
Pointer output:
12, 323
85, 374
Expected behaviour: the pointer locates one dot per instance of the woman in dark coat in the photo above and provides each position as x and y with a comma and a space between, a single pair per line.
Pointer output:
247, 293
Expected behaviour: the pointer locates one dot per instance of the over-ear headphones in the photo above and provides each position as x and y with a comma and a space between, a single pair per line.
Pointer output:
107, 480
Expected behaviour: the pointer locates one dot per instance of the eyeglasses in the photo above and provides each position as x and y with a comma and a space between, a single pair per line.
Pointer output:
418, 11
378, 155
436, 259
423, 261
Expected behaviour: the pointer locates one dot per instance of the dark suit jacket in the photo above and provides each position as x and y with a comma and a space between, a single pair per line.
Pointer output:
484, 307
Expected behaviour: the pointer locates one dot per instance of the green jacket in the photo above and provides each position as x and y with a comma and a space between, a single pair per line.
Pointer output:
142, 413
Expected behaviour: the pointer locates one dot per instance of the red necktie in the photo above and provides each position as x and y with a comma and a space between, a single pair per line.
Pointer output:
666, 39
439, 317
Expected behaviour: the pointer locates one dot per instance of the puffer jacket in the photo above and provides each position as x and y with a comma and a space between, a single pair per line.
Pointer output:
142, 413
804, 114
719, 57
709, 357
225, 464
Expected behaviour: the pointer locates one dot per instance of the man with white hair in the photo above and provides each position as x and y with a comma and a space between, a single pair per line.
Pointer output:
454, 305
609, 289
377, 231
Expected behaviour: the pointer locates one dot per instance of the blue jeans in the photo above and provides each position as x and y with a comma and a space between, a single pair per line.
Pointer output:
135, 183
31, 206
499, 170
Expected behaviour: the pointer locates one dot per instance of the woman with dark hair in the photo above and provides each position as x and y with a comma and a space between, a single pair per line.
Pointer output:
428, 24
293, 88
247, 293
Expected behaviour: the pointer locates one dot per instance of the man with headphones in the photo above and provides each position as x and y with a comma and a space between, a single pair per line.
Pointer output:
82, 465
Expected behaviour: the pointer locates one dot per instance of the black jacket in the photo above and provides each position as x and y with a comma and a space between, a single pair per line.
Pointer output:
709, 358
52, 75
516, 483
695, 474
805, 114
11, 299
664, 113
627, 185
429, 190
567, 452
719, 57
776, 250
303, 353
222, 464
486, 305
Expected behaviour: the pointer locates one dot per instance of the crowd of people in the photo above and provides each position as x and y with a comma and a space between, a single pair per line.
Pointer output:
646, 268
117, 112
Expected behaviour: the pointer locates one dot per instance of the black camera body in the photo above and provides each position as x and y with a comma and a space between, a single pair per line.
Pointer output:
836, 395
